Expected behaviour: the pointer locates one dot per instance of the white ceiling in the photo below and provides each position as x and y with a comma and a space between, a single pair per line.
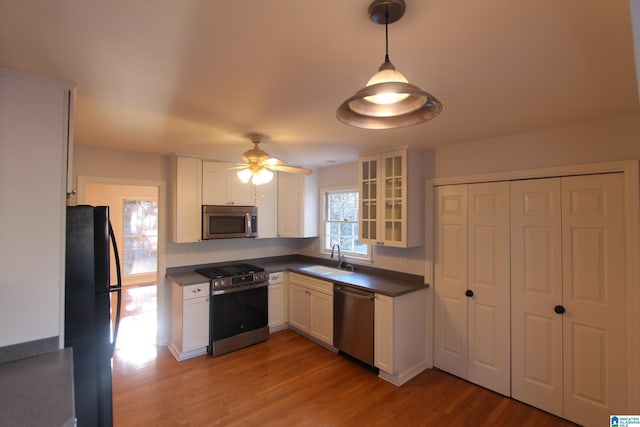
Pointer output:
193, 76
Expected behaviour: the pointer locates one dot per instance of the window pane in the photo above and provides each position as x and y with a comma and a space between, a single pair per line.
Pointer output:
140, 233
341, 222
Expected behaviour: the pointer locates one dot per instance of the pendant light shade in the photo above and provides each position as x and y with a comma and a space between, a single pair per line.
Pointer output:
388, 100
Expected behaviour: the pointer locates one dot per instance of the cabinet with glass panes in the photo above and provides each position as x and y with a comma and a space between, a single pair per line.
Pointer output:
392, 198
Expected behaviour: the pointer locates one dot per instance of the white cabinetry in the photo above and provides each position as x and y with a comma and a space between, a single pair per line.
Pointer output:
35, 116
471, 335
297, 205
186, 199
189, 320
221, 186
311, 307
267, 203
277, 302
392, 198
399, 336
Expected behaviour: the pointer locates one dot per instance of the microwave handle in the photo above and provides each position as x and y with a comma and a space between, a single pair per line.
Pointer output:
248, 218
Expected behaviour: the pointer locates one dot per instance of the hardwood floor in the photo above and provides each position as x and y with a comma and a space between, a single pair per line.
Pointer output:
291, 381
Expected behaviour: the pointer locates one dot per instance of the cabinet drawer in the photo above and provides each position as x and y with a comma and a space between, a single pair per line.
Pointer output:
324, 286
195, 291
275, 278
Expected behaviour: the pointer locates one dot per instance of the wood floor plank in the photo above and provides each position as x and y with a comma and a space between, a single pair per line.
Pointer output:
291, 381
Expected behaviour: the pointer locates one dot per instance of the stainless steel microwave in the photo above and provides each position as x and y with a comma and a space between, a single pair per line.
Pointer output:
225, 222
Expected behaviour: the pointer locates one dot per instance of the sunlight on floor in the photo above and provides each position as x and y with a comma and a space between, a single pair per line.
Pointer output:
136, 342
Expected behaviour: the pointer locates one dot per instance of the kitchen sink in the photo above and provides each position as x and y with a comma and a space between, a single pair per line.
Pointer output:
325, 271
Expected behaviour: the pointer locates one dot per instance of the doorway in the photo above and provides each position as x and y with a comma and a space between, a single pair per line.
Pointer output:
134, 217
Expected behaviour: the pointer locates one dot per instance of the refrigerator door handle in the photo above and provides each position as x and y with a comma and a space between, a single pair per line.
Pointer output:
117, 288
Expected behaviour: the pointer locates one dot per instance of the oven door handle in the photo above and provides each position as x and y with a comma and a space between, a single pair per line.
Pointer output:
239, 288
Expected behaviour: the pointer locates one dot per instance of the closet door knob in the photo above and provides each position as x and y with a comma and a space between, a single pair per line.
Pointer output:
469, 293
559, 309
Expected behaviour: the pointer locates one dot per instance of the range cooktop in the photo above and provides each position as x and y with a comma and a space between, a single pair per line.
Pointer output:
231, 270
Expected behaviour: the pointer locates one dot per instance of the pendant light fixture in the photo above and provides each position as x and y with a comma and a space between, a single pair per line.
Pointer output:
388, 100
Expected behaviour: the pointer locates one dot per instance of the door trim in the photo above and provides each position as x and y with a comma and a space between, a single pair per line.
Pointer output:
631, 171
162, 332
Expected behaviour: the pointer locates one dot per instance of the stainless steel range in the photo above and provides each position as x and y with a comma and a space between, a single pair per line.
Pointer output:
238, 307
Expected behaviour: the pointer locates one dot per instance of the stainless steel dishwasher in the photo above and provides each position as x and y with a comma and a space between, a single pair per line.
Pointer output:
353, 322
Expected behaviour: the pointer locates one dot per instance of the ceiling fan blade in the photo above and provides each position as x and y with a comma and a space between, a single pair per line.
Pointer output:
272, 161
237, 167
222, 161
290, 169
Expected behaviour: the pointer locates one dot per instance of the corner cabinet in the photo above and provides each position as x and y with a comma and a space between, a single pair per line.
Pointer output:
400, 336
311, 307
297, 205
189, 320
185, 199
392, 199
221, 186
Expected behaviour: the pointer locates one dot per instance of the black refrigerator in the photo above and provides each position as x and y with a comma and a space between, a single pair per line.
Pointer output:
88, 326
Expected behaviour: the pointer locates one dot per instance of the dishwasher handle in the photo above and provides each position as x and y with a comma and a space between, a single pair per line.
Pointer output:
353, 292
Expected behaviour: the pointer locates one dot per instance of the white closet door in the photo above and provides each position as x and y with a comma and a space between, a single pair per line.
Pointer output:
450, 308
489, 286
595, 374
536, 288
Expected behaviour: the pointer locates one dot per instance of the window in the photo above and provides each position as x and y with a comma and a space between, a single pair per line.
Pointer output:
140, 236
341, 213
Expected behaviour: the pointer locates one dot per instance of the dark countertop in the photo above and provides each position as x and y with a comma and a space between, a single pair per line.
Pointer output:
38, 390
386, 282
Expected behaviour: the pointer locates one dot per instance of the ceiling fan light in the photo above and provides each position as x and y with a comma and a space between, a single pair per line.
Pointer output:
244, 175
262, 176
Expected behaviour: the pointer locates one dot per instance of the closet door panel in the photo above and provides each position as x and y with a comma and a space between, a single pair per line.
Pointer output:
488, 307
595, 375
450, 308
536, 288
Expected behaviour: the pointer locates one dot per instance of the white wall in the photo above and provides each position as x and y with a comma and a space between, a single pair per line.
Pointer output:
32, 206
616, 138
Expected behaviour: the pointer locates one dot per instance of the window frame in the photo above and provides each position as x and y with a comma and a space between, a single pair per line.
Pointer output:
324, 221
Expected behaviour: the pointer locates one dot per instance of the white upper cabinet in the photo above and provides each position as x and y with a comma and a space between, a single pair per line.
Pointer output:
221, 186
186, 199
392, 199
297, 205
267, 203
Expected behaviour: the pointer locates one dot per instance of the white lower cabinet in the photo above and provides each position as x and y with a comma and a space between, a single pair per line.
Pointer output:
189, 320
277, 302
399, 336
311, 307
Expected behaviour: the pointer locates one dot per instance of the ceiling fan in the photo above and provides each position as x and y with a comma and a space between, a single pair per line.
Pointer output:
258, 166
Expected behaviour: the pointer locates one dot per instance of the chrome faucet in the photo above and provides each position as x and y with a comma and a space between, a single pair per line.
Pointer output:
340, 260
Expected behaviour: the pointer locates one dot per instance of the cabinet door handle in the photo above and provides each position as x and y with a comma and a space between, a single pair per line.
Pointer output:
469, 293
559, 309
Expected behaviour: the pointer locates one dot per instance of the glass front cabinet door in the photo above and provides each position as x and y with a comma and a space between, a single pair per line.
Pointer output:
384, 186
